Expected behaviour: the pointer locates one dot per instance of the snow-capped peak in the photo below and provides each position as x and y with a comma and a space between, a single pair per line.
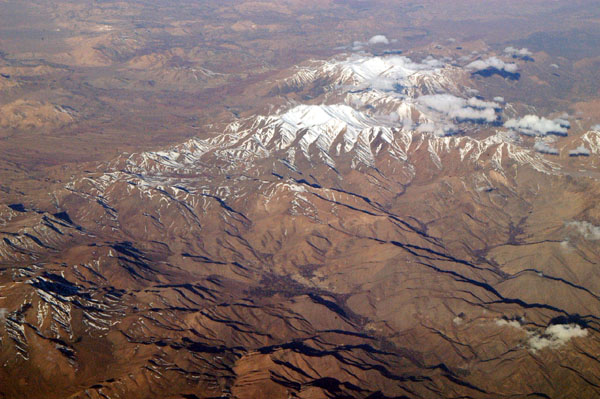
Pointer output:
359, 123
382, 73
315, 115
386, 71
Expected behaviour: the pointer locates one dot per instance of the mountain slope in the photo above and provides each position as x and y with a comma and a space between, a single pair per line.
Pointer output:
385, 237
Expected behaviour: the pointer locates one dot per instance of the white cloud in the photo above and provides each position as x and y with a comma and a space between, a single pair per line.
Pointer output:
475, 114
427, 127
432, 62
563, 121
357, 45
499, 99
379, 39
586, 229
565, 332
533, 125
481, 104
595, 127
437, 129
545, 148
460, 109
444, 103
579, 151
518, 53
493, 63
554, 66
555, 336
510, 323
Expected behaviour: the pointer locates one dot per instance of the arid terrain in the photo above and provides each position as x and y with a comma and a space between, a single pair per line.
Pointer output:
299, 199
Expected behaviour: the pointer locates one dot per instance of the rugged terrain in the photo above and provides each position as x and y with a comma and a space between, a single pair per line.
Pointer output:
367, 223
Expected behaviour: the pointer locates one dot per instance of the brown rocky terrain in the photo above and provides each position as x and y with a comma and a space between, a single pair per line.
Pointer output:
249, 200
